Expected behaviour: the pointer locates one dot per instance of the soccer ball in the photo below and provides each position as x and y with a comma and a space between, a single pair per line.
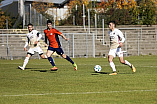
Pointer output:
97, 68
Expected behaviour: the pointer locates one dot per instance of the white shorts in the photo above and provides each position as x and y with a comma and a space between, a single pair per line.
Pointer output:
115, 52
36, 49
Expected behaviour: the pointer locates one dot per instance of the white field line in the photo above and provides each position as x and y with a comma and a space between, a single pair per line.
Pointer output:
77, 64
80, 93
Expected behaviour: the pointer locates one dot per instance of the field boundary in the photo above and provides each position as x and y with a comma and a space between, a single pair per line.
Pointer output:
77, 64
80, 93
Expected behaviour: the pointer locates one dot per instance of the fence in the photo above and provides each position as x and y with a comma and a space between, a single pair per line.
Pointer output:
139, 41
79, 45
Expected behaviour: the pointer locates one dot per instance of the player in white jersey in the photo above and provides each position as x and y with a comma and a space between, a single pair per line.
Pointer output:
33, 38
116, 42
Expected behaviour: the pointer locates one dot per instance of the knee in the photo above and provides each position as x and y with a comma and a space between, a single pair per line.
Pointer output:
64, 56
48, 55
122, 61
27, 58
110, 60
43, 56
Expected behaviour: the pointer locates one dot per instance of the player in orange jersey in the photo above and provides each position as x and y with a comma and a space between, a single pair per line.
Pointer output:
54, 45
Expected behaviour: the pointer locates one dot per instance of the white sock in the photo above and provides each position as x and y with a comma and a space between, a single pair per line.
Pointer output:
25, 62
45, 56
113, 66
127, 63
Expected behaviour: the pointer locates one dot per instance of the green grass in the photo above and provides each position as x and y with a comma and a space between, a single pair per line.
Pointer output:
38, 85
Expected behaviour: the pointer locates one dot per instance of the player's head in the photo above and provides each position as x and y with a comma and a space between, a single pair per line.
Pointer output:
111, 25
30, 27
49, 24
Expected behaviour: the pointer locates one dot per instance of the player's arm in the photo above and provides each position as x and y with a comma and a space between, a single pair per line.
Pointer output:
58, 32
63, 36
39, 37
45, 40
26, 44
120, 34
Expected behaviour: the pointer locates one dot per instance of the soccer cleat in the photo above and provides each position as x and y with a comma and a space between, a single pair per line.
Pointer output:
75, 66
20, 67
54, 68
114, 73
133, 68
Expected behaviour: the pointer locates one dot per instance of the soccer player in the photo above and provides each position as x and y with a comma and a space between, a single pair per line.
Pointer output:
116, 42
55, 46
33, 38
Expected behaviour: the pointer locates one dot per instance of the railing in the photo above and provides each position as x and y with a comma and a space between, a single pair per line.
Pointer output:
86, 45
79, 45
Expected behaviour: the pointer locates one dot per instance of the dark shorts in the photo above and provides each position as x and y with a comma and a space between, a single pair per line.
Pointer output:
57, 50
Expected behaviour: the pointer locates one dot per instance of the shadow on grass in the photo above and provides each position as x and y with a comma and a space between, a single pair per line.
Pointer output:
97, 73
28, 68
31, 68
40, 70
126, 73
45, 71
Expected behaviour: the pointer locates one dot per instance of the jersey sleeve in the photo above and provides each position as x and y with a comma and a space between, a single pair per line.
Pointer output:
57, 32
45, 32
120, 34
26, 44
39, 36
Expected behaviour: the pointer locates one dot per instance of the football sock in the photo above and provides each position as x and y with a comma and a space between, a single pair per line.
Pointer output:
25, 62
69, 59
45, 56
51, 61
113, 66
127, 63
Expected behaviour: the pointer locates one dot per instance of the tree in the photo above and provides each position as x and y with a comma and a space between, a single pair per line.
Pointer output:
147, 12
78, 11
3, 20
42, 7
133, 11
121, 11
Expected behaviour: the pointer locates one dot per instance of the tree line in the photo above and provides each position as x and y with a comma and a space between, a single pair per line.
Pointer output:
123, 12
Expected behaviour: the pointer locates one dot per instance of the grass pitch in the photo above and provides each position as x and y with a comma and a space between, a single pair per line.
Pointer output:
38, 85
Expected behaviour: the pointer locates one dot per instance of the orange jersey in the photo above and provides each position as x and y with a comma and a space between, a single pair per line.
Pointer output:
53, 38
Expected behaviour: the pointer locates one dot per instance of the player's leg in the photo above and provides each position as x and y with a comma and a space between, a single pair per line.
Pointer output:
40, 52
30, 52
127, 63
61, 53
50, 51
111, 56
70, 60
67, 58
121, 59
120, 55
25, 62
43, 56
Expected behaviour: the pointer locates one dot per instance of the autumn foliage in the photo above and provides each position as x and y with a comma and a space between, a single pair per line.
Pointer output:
3, 19
122, 11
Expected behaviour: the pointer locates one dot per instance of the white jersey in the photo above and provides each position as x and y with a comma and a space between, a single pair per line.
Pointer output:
116, 36
32, 37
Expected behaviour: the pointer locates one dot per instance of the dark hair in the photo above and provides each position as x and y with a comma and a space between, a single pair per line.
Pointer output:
49, 21
30, 24
112, 22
